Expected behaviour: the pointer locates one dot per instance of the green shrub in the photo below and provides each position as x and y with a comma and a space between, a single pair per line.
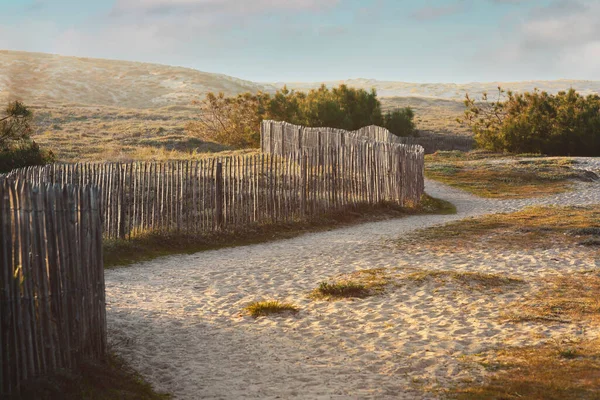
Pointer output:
24, 155
235, 121
538, 122
400, 122
17, 150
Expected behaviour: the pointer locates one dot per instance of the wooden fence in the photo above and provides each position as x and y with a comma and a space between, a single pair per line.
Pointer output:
232, 192
282, 138
52, 304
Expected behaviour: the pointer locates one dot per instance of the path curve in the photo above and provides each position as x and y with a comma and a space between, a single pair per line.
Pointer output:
177, 319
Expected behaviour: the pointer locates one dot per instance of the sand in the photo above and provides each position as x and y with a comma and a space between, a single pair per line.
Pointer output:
178, 320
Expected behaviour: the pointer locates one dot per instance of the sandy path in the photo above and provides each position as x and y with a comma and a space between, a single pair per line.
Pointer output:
177, 319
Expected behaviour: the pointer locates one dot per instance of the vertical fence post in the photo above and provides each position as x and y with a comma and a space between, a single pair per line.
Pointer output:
219, 196
304, 188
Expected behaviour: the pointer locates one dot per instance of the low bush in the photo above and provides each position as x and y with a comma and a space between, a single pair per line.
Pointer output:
17, 150
235, 121
24, 155
562, 124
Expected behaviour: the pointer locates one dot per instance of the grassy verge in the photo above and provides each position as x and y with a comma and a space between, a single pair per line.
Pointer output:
502, 176
532, 227
153, 245
110, 380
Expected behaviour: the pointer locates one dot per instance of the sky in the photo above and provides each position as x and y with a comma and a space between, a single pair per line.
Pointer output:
321, 40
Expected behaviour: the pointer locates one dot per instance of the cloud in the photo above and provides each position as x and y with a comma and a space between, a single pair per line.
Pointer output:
246, 7
511, 1
430, 13
36, 5
562, 37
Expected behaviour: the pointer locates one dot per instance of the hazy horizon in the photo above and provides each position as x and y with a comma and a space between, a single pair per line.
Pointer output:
433, 41
341, 79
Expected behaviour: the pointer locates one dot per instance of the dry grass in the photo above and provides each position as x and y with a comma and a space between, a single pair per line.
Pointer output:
562, 299
477, 280
503, 177
533, 227
556, 371
436, 116
268, 307
359, 284
560, 369
76, 133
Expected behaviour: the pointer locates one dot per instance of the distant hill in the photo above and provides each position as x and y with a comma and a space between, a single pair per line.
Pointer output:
51, 79
450, 91
46, 79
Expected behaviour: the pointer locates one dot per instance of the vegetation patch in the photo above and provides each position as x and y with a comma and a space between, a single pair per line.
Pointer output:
473, 279
268, 307
562, 299
535, 122
108, 380
531, 227
359, 284
485, 174
556, 371
431, 205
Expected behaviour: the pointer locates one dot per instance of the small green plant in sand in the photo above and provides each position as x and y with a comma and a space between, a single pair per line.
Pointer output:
358, 284
342, 289
268, 307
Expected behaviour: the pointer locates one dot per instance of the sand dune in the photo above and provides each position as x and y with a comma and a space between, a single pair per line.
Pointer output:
46, 79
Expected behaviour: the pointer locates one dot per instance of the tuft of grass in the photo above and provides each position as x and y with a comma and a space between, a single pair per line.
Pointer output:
531, 227
487, 175
359, 284
108, 380
476, 279
342, 289
268, 307
546, 372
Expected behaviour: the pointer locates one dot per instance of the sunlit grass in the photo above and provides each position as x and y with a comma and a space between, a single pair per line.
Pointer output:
531, 227
502, 176
474, 279
556, 371
359, 284
269, 307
